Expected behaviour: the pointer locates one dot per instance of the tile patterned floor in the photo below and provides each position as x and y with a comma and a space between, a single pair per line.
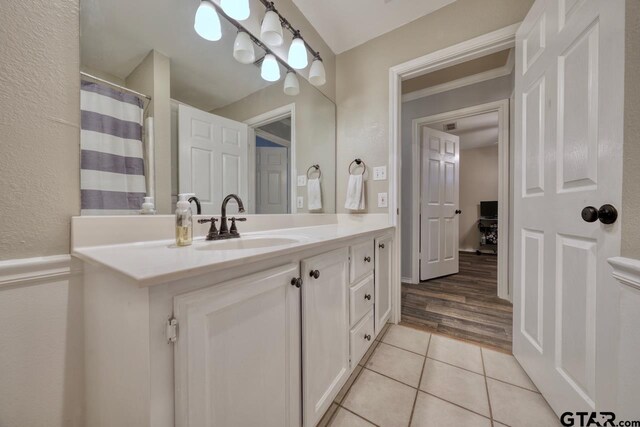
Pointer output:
410, 377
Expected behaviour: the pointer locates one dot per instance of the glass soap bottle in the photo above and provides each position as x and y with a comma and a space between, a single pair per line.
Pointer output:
184, 221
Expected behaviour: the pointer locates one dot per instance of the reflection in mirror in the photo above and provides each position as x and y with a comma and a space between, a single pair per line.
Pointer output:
165, 112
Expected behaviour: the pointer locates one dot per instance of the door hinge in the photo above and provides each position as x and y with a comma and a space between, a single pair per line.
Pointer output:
172, 330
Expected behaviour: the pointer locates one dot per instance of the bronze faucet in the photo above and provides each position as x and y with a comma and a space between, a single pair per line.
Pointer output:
224, 232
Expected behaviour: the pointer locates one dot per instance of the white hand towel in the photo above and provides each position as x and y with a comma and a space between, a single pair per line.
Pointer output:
314, 194
355, 193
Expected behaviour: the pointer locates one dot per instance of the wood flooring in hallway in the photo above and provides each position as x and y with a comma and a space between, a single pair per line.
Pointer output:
463, 305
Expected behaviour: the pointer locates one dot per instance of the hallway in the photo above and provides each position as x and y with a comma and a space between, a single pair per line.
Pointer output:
463, 305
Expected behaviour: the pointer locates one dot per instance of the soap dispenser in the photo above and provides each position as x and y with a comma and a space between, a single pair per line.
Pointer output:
184, 221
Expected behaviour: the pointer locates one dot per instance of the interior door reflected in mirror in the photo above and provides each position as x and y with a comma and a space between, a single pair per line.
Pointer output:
166, 111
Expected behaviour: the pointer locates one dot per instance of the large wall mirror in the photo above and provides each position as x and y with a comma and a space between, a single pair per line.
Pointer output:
165, 112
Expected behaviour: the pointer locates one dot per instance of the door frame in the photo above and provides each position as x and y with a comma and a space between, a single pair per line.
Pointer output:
274, 115
495, 41
502, 108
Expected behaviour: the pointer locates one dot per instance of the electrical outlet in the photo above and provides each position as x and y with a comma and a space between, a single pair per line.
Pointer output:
300, 202
302, 180
380, 173
383, 201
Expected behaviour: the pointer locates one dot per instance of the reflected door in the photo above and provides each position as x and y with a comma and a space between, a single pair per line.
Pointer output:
272, 167
568, 155
212, 158
440, 192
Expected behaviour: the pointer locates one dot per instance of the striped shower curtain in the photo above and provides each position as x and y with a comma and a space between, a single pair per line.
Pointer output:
112, 177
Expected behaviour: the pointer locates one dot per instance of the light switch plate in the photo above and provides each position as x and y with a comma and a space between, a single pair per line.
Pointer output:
302, 180
379, 173
300, 202
383, 201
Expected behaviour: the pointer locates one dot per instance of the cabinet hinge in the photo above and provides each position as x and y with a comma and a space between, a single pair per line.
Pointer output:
172, 330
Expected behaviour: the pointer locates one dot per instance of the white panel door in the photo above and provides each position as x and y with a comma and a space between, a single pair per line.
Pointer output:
325, 331
272, 184
212, 152
237, 357
440, 194
568, 155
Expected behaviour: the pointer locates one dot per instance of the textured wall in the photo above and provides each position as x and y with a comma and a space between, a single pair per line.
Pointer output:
363, 77
631, 169
478, 182
39, 126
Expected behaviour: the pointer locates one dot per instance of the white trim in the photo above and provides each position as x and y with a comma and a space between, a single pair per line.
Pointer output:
25, 271
279, 113
502, 108
626, 271
273, 138
495, 73
483, 45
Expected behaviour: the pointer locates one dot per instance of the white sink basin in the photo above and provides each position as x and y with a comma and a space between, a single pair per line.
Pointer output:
250, 242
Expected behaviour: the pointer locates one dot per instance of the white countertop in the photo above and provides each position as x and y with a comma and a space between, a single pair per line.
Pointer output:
150, 263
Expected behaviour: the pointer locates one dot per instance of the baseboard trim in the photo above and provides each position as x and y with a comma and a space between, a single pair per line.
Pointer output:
25, 271
626, 271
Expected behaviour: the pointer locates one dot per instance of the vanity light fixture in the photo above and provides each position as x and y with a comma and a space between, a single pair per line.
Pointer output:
271, 29
207, 22
270, 70
243, 50
236, 9
291, 84
317, 74
298, 53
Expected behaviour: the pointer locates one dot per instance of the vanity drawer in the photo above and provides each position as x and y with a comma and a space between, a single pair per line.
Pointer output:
361, 299
361, 338
361, 260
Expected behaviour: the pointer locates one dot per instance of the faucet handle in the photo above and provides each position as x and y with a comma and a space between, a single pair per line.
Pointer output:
234, 230
213, 231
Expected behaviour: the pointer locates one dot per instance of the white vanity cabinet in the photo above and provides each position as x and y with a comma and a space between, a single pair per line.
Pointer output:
237, 362
325, 330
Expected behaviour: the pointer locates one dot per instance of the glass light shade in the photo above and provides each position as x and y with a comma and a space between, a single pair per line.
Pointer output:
271, 30
317, 75
207, 22
270, 70
291, 85
298, 54
236, 9
243, 49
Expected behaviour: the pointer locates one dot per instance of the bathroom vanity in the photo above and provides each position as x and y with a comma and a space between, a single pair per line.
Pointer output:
261, 330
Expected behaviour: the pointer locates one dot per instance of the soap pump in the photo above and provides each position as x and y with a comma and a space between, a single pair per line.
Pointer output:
184, 221
147, 207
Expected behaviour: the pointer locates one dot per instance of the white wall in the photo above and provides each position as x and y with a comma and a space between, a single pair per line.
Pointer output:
468, 96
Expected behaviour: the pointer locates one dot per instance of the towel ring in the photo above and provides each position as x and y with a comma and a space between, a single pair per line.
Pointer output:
358, 162
317, 169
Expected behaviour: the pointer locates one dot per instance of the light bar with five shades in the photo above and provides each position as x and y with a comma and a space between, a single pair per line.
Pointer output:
207, 25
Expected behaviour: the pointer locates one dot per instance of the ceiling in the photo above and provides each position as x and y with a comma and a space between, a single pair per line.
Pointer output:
346, 24
474, 131
116, 35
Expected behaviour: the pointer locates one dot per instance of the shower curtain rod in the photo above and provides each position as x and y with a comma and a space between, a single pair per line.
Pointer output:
126, 89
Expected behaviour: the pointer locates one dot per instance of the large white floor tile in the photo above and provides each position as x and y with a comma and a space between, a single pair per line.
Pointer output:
456, 385
456, 352
517, 407
505, 367
381, 400
345, 418
396, 363
407, 338
433, 412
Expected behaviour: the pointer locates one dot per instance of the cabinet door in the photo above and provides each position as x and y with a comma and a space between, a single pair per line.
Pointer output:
383, 280
237, 357
325, 333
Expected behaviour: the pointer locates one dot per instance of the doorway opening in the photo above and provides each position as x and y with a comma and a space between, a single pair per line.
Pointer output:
455, 212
